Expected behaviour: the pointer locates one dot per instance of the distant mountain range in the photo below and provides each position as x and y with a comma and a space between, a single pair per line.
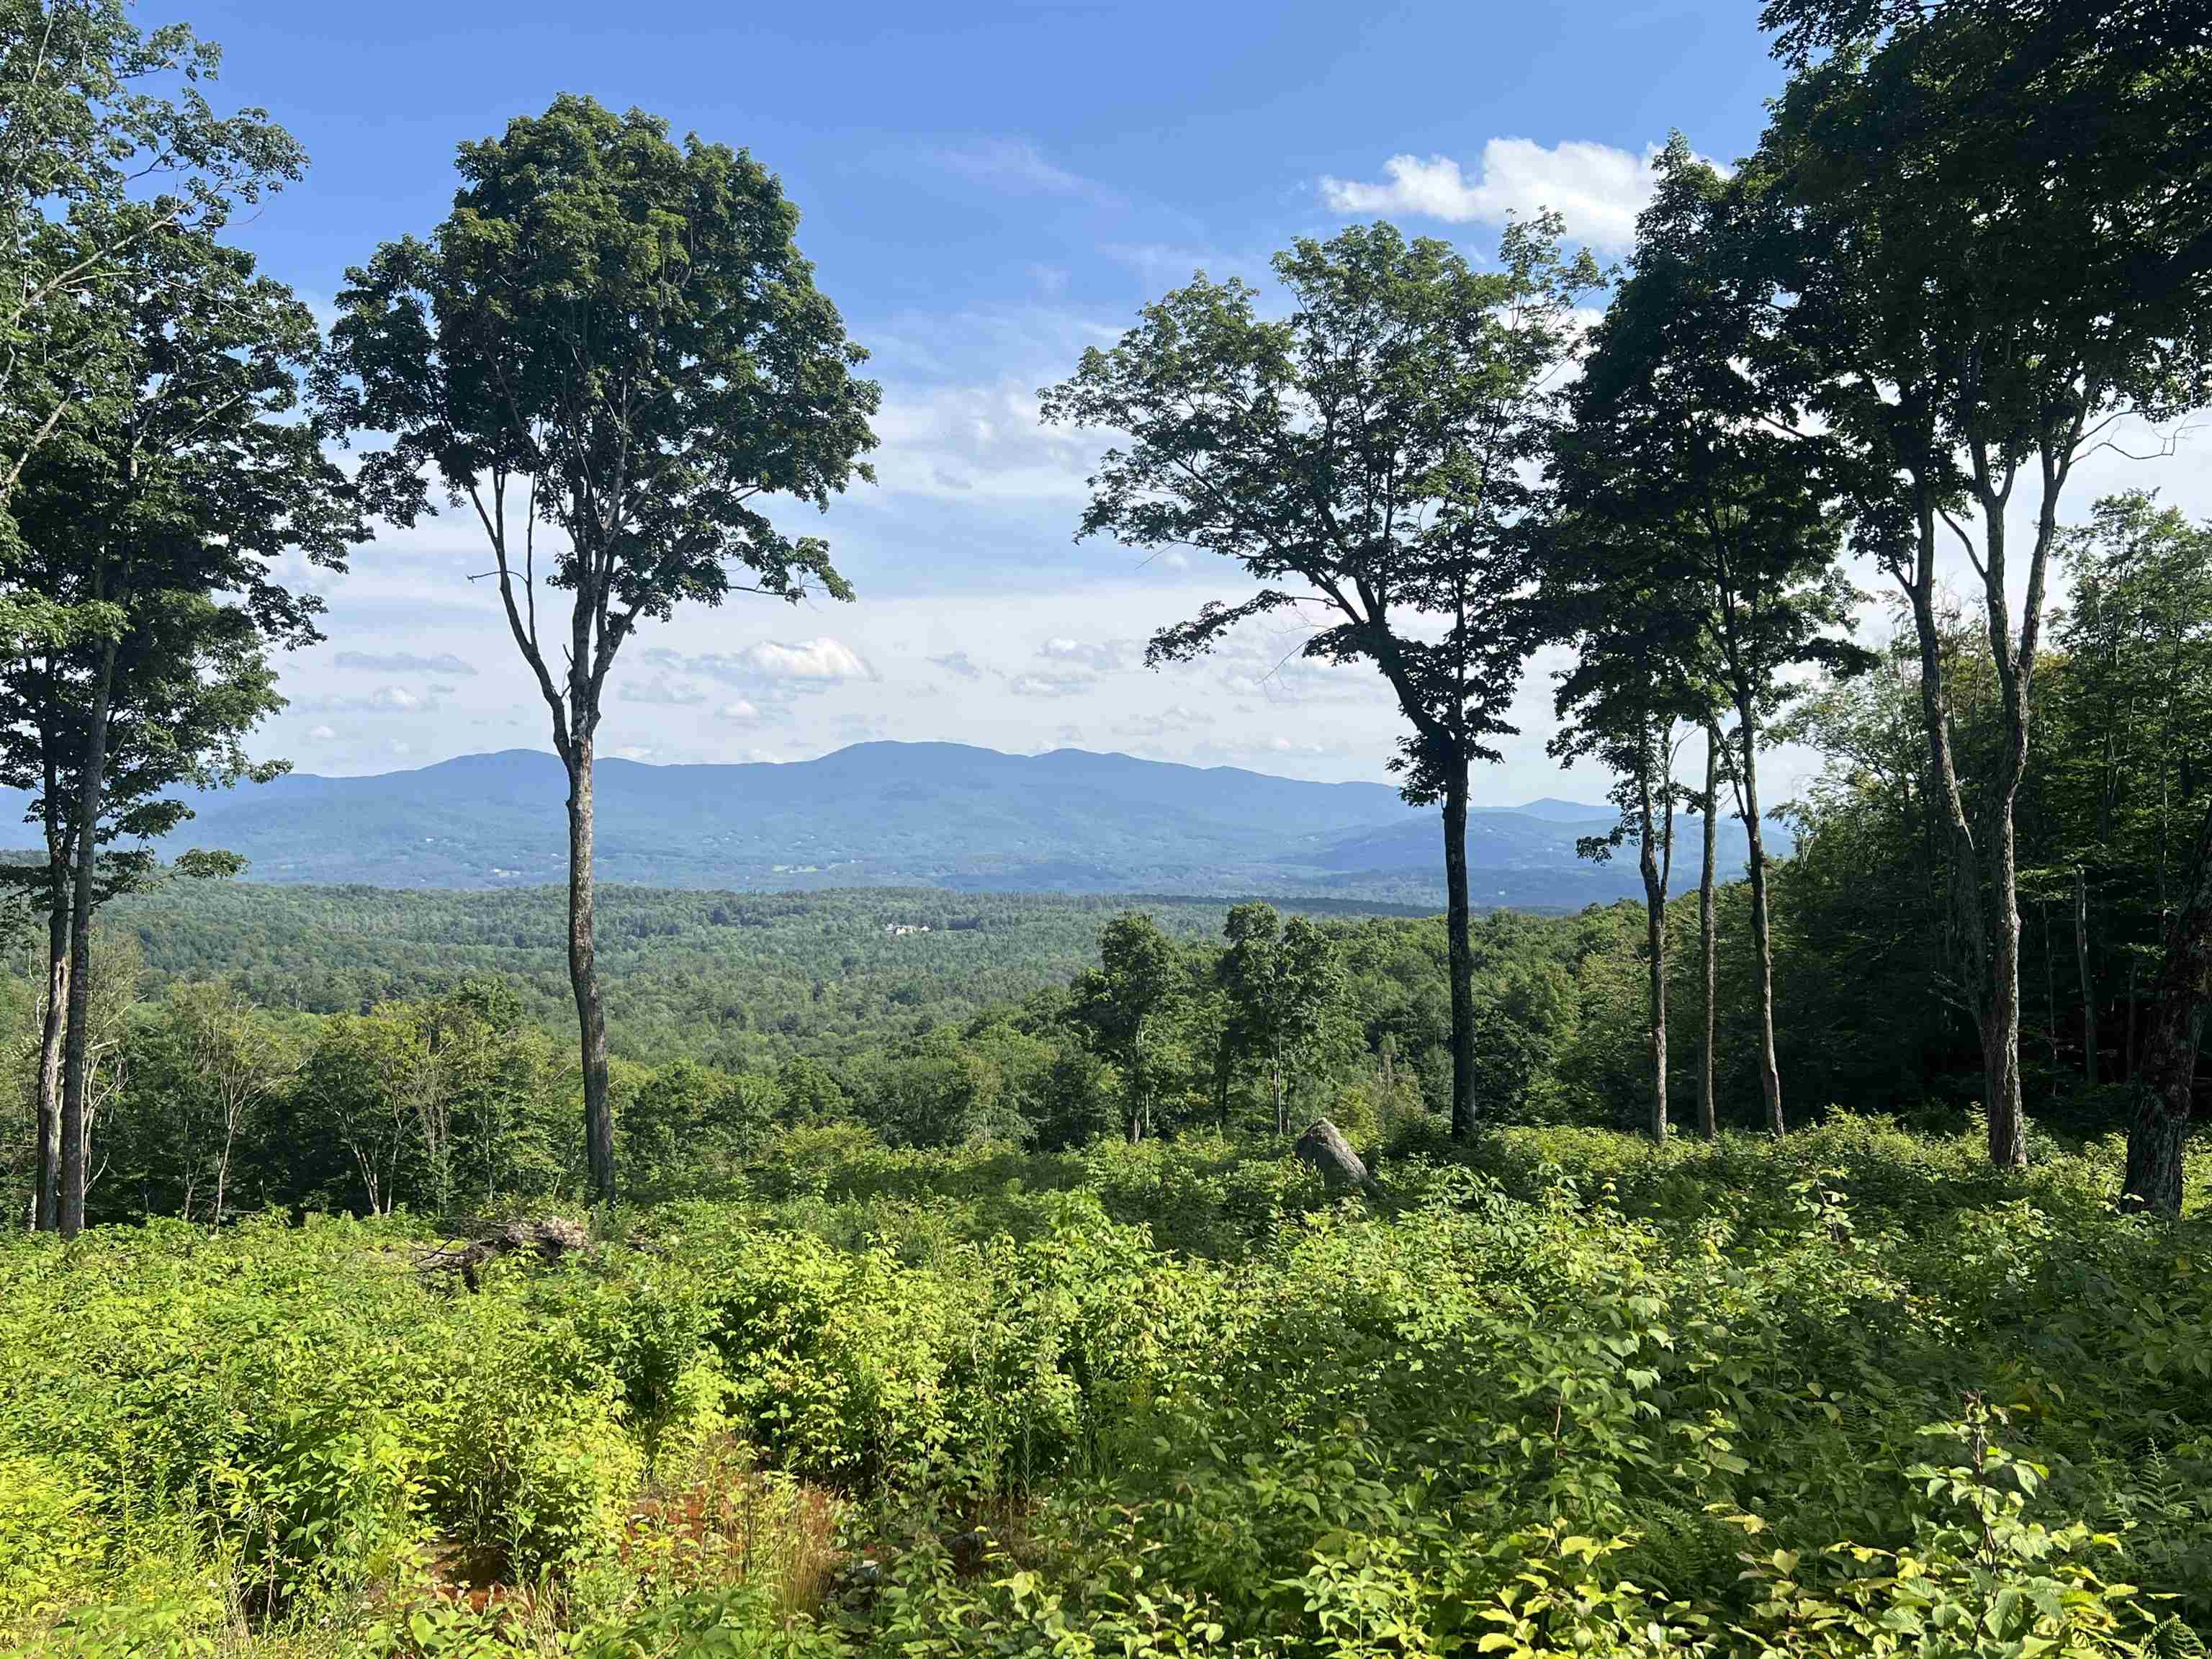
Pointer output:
907, 814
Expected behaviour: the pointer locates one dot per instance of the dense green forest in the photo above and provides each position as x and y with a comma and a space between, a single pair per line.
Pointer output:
1807, 1264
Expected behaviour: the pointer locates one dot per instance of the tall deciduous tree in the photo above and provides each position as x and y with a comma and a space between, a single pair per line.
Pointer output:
1280, 978
613, 346
1368, 460
1685, 446
1128, 1000
161, 507
1621, 703
1988, 246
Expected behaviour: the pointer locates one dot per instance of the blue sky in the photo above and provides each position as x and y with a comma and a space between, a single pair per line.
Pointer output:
984, 191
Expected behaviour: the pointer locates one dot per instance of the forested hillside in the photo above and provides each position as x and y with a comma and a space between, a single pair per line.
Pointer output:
723, 975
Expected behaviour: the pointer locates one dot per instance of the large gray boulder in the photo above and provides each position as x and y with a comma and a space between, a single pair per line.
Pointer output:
1323, 1145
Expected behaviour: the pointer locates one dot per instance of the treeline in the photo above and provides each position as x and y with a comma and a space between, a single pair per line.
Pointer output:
205, 1098
205, 1102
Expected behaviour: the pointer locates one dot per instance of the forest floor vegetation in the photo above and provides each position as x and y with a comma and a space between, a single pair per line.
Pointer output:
1853, 1393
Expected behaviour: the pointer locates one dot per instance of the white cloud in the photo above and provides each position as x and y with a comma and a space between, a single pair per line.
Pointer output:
1045, 684
982, 444
958, 663
824, 659
772, 667
1106, 657
396, 696
322, 734
744, 712
1597, 188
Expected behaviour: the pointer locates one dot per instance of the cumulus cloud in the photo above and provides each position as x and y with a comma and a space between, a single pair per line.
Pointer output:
384, 700
1597, 188
743, 711
1108, 657
405, 662
824, 659
1044, 683
322, 734
959, 665
774, 667
979, 444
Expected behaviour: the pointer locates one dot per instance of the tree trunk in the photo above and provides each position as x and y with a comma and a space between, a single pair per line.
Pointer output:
1654, 944
2166, 1075
2001, 1025
1223, 1061
584, 978
2088, 980
1708, 957
2128, 1047
1139, 1107
77, 1041
1459, 950
1770, 1073
45, 1213
223, 1170
2050, 997
1975, 938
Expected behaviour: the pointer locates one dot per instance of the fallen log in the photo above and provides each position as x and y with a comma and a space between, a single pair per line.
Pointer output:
549, 1239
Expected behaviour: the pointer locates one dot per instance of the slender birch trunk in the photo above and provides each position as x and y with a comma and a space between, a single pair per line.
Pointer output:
1708, 956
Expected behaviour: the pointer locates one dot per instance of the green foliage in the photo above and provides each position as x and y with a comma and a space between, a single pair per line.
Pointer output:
1884, 1399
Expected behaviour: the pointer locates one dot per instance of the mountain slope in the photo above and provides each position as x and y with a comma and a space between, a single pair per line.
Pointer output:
935, 814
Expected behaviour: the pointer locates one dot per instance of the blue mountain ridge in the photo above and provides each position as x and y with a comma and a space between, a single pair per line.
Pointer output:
901, 814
